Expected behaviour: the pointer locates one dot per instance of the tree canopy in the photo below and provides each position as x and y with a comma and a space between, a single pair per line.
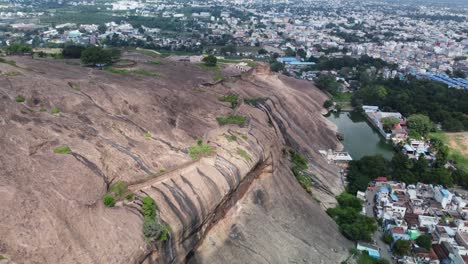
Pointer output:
444, 105
96, 55
402, 247
353, 225
328, 83
389, 121
210, 60
420, 123
424, 241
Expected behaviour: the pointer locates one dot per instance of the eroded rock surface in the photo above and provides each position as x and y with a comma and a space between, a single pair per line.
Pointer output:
227, 207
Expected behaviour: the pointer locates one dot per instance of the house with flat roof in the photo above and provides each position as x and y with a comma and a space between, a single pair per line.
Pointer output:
371, 249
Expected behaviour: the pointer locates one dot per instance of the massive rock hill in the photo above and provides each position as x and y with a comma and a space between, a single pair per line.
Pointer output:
239, 205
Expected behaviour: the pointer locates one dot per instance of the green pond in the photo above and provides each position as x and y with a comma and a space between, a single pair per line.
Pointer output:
360, 139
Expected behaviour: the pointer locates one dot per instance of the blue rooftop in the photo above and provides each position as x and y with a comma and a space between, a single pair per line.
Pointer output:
384, 189
301, 63
394, 198
288, 59
444, 193
452, 82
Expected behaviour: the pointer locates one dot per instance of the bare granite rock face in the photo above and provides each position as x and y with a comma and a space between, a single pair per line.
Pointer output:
240, 205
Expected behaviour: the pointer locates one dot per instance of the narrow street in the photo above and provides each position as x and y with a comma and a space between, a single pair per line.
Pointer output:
377, 237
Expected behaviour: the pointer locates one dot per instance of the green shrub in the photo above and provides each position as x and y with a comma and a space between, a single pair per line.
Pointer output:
148, 135
55, 111
233, 119
387, 239
243, 154
129, 196
230, 138
62, 150
199, 150
231, 98
118, 188
149, 207
255, 100
165, 230
218, 77
108, 200
243, 136
20, 99
151, 229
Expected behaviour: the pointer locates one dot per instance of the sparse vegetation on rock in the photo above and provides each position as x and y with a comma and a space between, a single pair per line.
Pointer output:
299, 168
153, 229
232, 119
62, 150
199, 150
230, 138
108, 200
55, 111
230, 98
20, 99
243, 154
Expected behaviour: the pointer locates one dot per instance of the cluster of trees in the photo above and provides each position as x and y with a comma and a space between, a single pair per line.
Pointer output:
331, 63
327, 82
441, 104
401, 168
73, 51
210, 60
352, 223
17, 48
94, 55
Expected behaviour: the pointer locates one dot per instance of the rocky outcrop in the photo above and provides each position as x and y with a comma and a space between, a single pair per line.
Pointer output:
239, 205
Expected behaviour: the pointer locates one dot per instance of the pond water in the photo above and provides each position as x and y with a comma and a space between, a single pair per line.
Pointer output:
360, 139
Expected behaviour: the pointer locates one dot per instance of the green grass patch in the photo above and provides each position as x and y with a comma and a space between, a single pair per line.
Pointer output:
233, 119
199, 150
231, 98
10, 62
461, 161
20, 99
63, 150
129, 72
254, 100
148, 135
75, 87
343, 97
218, 77
209, 68
156, 62
243, 154
148, 52
55, 111
230, 138
42, 109
13, 74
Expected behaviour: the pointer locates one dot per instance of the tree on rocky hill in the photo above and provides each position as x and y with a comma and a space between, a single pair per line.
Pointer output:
96, 55
210, 60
